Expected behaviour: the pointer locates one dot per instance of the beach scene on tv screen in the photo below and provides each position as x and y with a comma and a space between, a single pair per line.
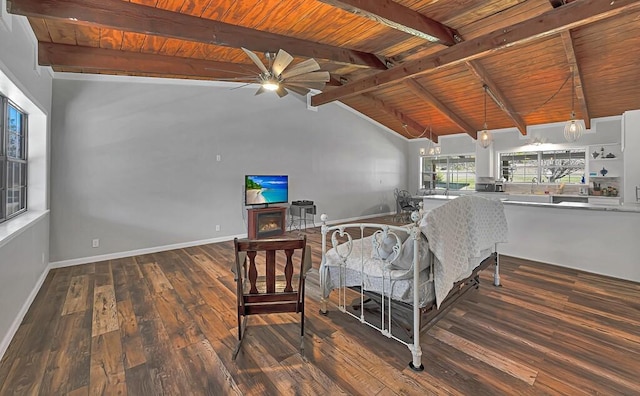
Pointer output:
266, 189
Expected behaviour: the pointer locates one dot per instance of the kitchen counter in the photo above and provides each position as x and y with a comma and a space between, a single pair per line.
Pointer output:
595, 238
544, 201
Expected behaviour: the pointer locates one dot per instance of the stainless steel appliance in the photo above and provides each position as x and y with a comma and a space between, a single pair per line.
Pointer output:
485, 184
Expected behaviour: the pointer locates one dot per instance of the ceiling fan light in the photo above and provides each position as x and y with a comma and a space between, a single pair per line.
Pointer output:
270, 85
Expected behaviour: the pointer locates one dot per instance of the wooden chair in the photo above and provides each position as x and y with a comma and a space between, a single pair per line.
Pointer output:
276, 289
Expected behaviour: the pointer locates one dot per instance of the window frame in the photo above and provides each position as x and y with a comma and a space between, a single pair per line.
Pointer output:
448, 175
8, 163
539, 167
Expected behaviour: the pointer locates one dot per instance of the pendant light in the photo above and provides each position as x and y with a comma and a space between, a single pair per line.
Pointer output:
434, 148
484, 137
573, 129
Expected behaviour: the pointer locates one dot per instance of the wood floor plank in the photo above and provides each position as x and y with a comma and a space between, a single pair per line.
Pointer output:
312, 379
78, 295
165, 323
25, 375
131, 341
513, 368
107, 365
69, 359
105, 311
178, 323
158, 282
342, 367
209, 369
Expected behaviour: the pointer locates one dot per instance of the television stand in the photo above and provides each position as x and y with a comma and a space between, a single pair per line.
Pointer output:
266, 222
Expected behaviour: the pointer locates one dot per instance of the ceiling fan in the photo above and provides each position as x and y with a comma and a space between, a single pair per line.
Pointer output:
278, 77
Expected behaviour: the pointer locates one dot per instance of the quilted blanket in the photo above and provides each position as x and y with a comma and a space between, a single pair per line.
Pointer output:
458, 232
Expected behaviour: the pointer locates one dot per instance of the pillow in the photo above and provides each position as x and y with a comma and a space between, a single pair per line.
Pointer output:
387, 244
406, 254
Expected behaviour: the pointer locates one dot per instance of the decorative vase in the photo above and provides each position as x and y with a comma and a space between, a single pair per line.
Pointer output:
595, 154
603, 172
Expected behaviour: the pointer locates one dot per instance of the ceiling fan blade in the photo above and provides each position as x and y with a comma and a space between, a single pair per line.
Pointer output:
322, 76
255, 60
281, 62
259, 91
299, 90
306, 66
281, 91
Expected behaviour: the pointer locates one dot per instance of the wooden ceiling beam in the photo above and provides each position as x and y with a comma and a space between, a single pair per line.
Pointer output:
404, 19
577, 77
425, 95
497, 96
126, 16
552, 22
403, 118
63, 55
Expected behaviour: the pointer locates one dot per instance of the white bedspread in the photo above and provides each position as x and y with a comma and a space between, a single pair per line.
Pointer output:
361, 268
459, 233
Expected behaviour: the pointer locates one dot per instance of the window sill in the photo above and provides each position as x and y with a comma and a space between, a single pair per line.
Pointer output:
14, 227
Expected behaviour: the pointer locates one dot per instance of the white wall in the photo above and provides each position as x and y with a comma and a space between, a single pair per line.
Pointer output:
24, 241
134, 161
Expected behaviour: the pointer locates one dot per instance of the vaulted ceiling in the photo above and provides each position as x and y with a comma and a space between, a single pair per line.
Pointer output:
416, 66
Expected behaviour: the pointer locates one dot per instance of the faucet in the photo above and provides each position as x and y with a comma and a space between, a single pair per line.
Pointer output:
534, 180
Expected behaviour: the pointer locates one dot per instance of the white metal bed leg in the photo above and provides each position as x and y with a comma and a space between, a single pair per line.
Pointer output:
322, 272
416, 350
496, 273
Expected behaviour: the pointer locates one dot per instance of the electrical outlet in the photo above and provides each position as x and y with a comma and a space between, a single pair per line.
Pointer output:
217, 227
95, 243
218, 158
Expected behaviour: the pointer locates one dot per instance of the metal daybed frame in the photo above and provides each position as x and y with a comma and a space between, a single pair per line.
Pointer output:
402, 321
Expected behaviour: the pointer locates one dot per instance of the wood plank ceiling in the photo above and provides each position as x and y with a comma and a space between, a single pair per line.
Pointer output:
412, 65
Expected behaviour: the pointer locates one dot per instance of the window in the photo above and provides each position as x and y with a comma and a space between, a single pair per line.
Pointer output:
453, 172
554, 166
13, 160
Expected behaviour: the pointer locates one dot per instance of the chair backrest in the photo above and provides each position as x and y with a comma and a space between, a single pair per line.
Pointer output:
404, 199
268, 281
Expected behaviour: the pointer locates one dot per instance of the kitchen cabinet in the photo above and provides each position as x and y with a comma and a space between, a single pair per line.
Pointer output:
630, 146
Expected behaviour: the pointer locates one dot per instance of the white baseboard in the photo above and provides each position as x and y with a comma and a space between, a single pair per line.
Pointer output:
6, 340
156, 249
137, 252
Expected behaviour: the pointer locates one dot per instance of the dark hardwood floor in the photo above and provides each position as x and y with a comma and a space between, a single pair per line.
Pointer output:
165, 323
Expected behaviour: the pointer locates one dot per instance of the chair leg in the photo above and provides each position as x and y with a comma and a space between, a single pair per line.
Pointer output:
241, 330
302, 334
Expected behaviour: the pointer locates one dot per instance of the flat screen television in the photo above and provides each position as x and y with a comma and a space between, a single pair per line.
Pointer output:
266, 189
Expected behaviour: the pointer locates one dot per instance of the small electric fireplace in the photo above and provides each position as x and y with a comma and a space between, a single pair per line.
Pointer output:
266, 222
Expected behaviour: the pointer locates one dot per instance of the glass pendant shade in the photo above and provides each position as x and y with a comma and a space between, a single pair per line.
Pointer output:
573, 129
485, 137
